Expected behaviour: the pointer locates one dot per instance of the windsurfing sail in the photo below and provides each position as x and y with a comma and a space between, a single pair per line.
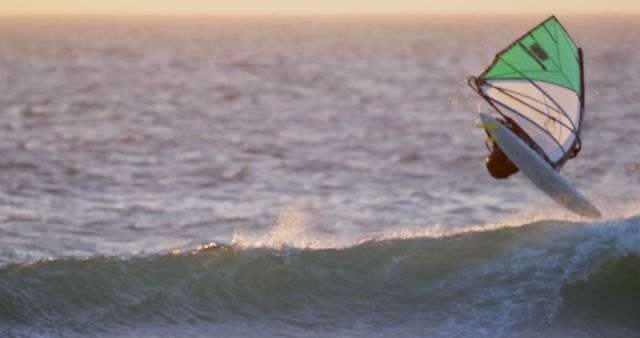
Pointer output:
537, 82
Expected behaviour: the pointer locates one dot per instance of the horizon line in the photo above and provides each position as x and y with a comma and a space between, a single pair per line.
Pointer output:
309, 14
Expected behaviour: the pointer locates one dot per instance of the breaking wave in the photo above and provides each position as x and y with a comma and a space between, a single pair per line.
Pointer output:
545, 277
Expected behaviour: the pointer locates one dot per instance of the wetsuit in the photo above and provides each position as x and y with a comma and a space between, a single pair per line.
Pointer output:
498, 164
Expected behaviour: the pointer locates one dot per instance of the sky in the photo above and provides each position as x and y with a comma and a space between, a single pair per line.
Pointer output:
317, 7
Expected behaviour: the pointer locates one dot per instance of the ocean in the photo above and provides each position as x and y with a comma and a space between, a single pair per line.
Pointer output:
301, 177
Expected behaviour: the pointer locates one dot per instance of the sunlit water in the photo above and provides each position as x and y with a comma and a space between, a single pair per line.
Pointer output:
334, 165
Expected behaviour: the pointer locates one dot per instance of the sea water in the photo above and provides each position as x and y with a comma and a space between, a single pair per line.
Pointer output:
302, 177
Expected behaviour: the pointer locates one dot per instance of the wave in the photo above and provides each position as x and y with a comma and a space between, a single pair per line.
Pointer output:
572, 277
610, 293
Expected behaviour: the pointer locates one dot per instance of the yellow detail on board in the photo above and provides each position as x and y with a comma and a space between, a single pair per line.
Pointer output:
491, 138
487, 125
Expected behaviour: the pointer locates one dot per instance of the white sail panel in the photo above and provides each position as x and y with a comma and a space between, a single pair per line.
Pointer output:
548, 113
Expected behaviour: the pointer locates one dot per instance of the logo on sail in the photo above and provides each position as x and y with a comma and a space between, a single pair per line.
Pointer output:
538, 51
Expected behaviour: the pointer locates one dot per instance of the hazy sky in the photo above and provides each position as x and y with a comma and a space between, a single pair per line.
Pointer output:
318, 6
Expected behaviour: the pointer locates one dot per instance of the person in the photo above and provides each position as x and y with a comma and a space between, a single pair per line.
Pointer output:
500, 166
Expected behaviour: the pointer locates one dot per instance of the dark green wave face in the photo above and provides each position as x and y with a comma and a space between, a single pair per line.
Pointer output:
608, 294
542, 277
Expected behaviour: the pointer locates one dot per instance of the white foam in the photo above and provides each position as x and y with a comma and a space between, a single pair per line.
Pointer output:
293, 229
296, 229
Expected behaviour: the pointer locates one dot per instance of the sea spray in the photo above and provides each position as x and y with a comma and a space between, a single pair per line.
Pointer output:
294, 229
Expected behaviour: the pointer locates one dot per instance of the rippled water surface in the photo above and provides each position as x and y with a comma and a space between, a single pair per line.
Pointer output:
332, 162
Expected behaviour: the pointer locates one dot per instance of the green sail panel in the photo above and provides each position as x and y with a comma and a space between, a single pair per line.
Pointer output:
546, 53
537, 83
